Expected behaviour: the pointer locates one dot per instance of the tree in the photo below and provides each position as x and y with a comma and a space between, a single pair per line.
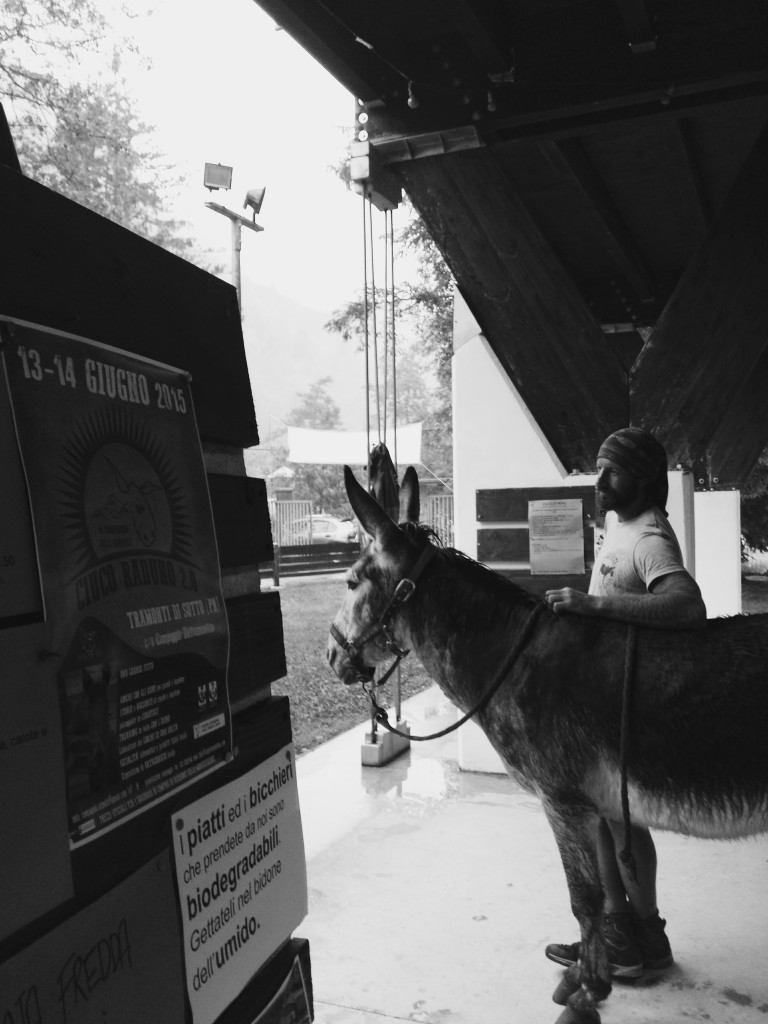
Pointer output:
323, 485
81, 136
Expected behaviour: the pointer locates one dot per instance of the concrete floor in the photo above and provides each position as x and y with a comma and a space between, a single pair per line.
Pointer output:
433, 893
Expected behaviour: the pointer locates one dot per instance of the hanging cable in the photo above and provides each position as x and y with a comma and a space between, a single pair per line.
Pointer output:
373, 321
392, 334
367, 349
386, 319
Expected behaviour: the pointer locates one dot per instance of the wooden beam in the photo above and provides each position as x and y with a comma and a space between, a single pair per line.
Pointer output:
481, 39
569, 158
695, 180
743, 431
707, 353
531, 313
638, 26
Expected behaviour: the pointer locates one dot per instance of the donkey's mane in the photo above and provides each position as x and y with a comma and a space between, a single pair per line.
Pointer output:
475, 573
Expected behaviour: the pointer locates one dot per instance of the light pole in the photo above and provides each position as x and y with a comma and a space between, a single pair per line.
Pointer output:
218, 176
237, 221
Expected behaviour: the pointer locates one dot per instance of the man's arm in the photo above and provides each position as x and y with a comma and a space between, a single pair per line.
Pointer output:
673, 601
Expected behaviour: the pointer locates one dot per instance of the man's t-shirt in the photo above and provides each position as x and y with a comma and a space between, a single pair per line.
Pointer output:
634, 554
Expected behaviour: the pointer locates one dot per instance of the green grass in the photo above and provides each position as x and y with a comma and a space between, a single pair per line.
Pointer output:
321, 706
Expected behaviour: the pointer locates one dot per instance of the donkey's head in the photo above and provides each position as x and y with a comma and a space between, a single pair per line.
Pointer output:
367, 629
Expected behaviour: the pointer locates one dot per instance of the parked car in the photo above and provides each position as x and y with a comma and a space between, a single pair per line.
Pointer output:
324, 530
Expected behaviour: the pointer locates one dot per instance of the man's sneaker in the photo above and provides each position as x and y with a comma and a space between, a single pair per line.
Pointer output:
624, 956
653, 942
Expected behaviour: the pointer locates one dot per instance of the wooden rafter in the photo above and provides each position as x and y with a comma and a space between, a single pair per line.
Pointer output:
693, 169
638, 25
569, 157
534, 318
701, 378
484, 44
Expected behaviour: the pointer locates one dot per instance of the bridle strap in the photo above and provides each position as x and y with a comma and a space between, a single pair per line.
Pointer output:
380, 713
402, 593
626, 855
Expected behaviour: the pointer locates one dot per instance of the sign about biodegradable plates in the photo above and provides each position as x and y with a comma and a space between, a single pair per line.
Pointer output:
242, 881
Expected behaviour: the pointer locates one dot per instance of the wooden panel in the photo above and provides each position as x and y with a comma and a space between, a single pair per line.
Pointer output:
76, 271
532, 314
510, 504
257, 647
240, 519
512, 545
509, 545
500, 544
713, 332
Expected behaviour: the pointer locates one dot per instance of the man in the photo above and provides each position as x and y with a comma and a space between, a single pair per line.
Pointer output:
639, 578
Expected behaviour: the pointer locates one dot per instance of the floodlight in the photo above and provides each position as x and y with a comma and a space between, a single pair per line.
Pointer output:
254, 197
217, 176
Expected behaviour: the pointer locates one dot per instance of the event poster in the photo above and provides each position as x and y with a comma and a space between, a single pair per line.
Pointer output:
129, 568
242, 880
556, 533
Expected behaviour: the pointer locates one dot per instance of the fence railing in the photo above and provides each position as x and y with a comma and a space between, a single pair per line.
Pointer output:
296, 555
437, 512
291, 522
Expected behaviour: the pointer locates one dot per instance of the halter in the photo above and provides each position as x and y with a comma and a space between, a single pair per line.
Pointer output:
382, 626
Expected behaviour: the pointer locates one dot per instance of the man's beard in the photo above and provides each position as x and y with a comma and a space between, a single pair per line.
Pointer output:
606, 500
609, 499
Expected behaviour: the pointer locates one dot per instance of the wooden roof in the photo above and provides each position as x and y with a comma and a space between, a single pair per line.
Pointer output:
593, 172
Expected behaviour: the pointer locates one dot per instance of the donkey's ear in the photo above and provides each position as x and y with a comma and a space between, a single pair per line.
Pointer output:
409, 495
373, 519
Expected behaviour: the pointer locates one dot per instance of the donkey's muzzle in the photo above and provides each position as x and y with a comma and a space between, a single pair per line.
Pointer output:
353, 669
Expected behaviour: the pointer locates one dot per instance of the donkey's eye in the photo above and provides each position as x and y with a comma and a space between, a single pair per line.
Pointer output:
352, 583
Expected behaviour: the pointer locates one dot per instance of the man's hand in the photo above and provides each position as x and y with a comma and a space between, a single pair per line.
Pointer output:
574, 602
673, 602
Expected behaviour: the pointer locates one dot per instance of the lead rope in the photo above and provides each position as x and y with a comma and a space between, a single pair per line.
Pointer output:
380, 714
627, 857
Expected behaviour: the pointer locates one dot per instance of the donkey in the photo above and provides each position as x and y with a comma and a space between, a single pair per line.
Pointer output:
697, 760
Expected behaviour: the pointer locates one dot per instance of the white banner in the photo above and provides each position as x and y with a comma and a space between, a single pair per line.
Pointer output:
350, 447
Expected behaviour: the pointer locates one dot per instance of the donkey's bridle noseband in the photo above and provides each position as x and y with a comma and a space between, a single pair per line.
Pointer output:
382, 626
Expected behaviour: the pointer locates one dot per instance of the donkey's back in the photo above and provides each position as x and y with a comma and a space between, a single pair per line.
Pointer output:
697, 737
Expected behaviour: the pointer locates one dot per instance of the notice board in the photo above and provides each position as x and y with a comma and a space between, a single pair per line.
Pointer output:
566, 528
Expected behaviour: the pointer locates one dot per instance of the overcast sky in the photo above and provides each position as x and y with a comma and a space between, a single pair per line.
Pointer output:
225, 86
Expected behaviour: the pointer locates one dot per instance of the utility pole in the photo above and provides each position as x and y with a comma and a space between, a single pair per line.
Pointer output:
237, 221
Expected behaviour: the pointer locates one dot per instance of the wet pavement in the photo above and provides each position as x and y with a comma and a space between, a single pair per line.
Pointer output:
434, 891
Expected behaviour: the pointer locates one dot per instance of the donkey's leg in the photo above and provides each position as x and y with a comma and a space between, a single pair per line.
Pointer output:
589, 981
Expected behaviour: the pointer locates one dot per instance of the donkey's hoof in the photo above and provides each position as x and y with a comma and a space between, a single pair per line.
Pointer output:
571, 1016
565, 989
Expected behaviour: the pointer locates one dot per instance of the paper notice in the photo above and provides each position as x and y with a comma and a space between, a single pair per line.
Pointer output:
556, 535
